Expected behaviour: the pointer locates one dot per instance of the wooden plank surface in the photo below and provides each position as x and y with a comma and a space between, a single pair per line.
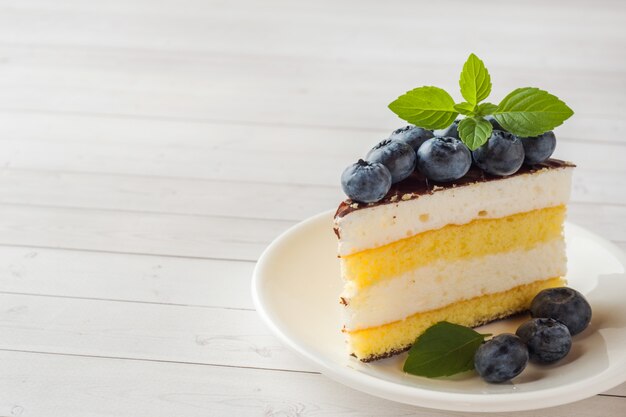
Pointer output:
105, 386
151, 149
167, 280
202, 335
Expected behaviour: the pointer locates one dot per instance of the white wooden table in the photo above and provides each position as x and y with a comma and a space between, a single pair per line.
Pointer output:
150, 150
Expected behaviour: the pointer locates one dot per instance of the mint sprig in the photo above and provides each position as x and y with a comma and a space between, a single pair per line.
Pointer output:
485, 109
475, 81
465, 108
524, 112
530, 112
443, 349
430, 107
473, 130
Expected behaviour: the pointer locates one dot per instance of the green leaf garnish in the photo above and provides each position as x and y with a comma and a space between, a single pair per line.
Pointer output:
465, 108
427, 107
530, 111
475, 81
525, 112
475, 131
484, 109
442, 350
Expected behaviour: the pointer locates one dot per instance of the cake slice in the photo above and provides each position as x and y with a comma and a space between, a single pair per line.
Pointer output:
469, 252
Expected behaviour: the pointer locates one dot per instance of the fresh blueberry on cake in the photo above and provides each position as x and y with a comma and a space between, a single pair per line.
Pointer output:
366, 181
444, 159
503, 154
457, 241
539, 148
412, 135
398, 157
451, 131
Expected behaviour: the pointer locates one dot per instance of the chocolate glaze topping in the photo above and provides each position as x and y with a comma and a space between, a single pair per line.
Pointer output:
417, 185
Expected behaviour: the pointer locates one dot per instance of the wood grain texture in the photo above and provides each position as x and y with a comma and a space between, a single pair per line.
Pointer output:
139, 233
220, 151
201, 335
189, 62
151, 149
105, 387
123, 277
306, 44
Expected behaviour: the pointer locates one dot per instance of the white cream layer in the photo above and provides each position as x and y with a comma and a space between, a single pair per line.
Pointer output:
444, 282
379, 225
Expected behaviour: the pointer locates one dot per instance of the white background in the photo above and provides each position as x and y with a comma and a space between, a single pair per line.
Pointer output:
150, 150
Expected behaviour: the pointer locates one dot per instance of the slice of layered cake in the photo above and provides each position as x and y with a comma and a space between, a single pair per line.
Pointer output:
463, 224
468, 251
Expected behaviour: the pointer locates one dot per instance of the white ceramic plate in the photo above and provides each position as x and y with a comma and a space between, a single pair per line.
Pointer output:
296, 287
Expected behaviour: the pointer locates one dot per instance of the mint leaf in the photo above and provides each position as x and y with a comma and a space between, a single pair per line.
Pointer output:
427, 107
465, 108
530, 111
475, 81
485, 109
444, 349
474, 131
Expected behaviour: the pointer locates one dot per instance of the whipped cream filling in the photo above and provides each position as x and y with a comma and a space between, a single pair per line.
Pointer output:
444, 282
380, 225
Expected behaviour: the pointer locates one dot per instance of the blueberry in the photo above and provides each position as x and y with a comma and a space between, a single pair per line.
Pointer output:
451, 131
444, 159
539, 148
398, 157
565, 305
547, 339
501, 358
503, 154
413, 135
496, 125
366, 182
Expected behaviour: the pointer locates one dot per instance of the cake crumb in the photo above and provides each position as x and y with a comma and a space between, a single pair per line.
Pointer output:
354, 205
437, 188
407, 196
394, 198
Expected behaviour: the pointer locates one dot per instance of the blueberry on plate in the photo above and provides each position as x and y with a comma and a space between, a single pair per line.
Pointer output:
413, 135
496, 125
547, 340
503, 154
563, 304
444, 159
501, 358
451, 131
539, 148
398, 157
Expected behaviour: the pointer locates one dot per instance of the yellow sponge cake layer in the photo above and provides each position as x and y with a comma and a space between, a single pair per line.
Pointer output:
475, 239
386, 340
443, 282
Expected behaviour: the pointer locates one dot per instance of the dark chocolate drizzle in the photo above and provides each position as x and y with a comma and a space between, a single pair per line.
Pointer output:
417, 185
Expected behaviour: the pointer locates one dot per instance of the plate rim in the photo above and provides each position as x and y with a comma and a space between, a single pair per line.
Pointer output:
421, 397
